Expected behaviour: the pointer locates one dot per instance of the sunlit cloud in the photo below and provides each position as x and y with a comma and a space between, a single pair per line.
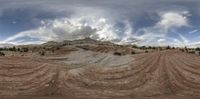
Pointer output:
74, 28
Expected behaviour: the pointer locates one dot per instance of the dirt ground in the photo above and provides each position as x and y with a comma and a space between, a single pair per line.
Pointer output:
170, 74
63, 97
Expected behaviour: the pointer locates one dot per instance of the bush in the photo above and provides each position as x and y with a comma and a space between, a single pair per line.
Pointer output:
149, 47
10, 49
192, 52
58, 48
182, 50
2, 54
143, 47
133, 52
154, 47
197, 49
1, 49
24, 50
134, 46
117, 53
168, 47
146, 51
42, 53
18, 49
185, 48
14, 48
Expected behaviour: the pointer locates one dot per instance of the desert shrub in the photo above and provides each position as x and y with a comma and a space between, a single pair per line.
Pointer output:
18, 49
168, 47
134, 46
152, 47
1, 49
182, 50
6, 49
192, 52
146, 51
11, 49
117, 53
24, 50
133, 52
149, 47
42, 53
2, 54
197, 49
58, 48
186, 48
14, 48
143, 47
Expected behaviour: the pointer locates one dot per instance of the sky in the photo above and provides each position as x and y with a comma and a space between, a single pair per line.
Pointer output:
142, 22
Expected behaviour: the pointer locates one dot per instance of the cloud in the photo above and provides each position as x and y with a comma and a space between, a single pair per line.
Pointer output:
101, 28
193, 31
74, 28
112, 20
161, 40
169, 21
173, 20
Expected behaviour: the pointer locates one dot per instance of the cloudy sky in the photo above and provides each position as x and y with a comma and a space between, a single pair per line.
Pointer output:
143, 22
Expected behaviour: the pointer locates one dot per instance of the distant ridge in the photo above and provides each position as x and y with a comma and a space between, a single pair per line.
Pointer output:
74, 42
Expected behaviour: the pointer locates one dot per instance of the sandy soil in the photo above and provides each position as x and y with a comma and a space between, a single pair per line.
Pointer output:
64, 97
165, 74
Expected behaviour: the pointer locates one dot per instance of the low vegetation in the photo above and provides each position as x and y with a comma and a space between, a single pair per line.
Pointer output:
42, 53
2, 54
197, 49
133, 52
24, 50
117, 53
14, 49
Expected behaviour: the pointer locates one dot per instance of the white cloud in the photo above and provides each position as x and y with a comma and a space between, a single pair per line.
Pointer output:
72, 28
99, 27
169, 20
193, 31
173, 20
161, 40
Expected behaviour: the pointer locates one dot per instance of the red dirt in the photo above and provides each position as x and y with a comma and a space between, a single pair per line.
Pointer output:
165, 74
